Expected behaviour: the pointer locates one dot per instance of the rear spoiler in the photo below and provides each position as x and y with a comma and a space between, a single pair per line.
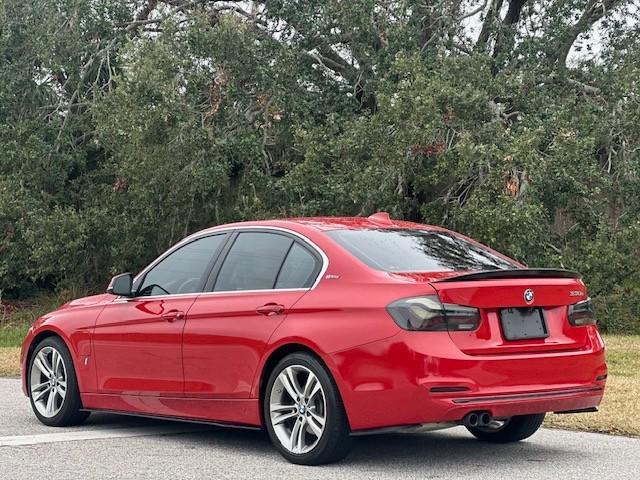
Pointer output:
515, 273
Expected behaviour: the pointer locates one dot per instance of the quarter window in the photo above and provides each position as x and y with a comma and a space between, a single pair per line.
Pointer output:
183, 270
298, 269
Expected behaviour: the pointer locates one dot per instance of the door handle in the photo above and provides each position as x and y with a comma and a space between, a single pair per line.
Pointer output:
172, 315
270, 309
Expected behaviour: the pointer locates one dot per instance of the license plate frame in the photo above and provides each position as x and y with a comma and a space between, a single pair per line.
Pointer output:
523, 324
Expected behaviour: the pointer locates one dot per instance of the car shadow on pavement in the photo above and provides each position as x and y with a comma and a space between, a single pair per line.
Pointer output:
402, 451
416, 450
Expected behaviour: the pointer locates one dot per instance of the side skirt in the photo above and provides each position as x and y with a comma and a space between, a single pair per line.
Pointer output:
243, 412
176, 419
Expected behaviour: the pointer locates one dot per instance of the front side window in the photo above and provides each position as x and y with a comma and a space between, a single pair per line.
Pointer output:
403, 250
183, 270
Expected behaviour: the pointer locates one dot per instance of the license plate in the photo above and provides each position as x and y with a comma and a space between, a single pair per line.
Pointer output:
523, 323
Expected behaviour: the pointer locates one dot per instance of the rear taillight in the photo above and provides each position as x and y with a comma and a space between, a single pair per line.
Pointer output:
429, 314
581, 313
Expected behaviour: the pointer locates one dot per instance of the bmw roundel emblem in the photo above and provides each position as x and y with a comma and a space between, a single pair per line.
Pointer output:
528, 295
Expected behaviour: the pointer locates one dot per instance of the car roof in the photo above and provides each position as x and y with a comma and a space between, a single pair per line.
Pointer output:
380, 220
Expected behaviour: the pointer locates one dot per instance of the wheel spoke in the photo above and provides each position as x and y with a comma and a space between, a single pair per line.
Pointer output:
314, 391
317, 418
300, 439
297, 436
62, 392
39, 362
291, 375
51, 404
35, 388
37, 396
315, 425
280, 407
287, 379
56, 361
311, 381
278, 419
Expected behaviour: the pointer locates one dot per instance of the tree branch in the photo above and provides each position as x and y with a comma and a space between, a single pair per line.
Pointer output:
594, 11
473, 12
507, 31
555, 79
487, 26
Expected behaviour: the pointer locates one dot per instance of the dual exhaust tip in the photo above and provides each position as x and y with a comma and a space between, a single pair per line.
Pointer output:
477, 419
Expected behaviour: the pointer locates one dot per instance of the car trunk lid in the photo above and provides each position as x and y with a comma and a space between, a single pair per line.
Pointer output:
523, 294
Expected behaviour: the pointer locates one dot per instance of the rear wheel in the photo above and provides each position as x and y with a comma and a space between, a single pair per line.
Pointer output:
303, 412
513, 429
53, 389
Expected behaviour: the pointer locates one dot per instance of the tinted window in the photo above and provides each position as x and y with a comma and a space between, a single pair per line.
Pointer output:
417, 251
298, 269
253, 262
183, 270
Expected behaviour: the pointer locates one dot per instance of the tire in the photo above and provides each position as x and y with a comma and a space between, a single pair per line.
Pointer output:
334, 441
65, 409
515, 429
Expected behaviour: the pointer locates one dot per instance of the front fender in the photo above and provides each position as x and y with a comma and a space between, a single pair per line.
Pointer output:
74, 326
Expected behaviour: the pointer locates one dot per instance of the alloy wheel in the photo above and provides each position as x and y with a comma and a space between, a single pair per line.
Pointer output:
48, 382
298, 409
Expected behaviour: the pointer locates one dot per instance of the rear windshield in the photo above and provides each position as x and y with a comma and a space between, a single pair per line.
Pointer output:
417, 251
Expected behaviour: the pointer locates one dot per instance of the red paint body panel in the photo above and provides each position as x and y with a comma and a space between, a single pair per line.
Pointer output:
402, 370
209, 365
224, 341
73, 322
136, 350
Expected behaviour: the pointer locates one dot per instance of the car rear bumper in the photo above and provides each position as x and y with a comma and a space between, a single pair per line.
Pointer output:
510, 404
423, 377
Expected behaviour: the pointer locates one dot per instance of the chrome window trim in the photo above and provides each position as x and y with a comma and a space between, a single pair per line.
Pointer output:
214, 231
200, 294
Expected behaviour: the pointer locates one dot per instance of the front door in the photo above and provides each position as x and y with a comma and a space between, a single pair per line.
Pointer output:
138, 341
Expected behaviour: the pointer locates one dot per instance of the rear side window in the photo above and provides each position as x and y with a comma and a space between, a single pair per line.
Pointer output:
253, 262
298, 270
401, 250
182, 271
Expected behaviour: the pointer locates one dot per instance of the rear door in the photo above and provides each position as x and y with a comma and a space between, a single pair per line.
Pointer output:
509, 304
259, 281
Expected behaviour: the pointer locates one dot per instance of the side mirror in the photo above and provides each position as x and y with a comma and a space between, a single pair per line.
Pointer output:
121, 285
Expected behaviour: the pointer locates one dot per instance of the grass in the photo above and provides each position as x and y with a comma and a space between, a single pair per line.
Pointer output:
9, 361
15, 319
619, 412
17, 316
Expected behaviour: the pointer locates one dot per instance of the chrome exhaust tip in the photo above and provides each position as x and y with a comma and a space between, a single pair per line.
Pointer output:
471, 419
484, 419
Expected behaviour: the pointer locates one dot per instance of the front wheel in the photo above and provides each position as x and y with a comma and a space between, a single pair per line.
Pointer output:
510, 430
53, 389
303, 412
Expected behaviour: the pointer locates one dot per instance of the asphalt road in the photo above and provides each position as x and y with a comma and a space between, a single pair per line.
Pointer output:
122, 447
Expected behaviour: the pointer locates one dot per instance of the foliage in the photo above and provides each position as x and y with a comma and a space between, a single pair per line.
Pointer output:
125, 125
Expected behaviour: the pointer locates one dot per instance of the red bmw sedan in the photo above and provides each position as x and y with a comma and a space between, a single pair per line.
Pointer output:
320, 329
